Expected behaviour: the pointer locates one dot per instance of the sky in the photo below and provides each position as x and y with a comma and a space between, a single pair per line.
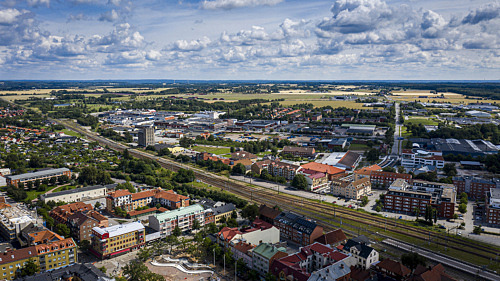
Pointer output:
250, 39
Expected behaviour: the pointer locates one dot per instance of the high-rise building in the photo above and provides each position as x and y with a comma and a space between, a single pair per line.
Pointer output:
146, 136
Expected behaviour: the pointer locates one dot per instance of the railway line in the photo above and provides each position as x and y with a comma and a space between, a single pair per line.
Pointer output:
325, 213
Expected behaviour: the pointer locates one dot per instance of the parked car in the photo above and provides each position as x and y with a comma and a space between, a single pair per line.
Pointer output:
442, 226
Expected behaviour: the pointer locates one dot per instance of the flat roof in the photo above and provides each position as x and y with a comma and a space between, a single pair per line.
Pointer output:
72, 191
179, 212
37, 174
119, 229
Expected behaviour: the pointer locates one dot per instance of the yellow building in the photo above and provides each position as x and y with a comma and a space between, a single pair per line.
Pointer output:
176, 149
47, 256
118, 239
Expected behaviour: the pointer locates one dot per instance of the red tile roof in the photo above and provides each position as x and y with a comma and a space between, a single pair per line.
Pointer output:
323, 168
120, 193
394, 267
332, 237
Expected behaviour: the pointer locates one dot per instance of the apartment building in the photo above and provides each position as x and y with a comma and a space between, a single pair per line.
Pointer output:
475, 187
404, 198
258, 232
316, 181
264, 255
183, 218
216, 211
309, 152
146, 136
81, 224
115, 240
15, 180
14, 219
382, 180
297, 229
365, 172
47, 256
60, 214
492, 207
352, 189
330, 171
76, 195
131, 201
417, 157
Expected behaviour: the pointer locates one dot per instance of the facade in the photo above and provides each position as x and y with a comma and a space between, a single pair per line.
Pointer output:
299, 151
146, 136
381, 179
475, 187
416, 157
351, 189
282, 169
268, 214
183, 218
49, 256
365, 172
392, 269
78, 271
297, 229
332, 238
264, 255
15, 180
259, 232
492, 207
118, 239
310, 259
364, 255
403, 198
13, 220
76, 195
242, 250
81, 224
60, 214
217, 210
131, 201
316, 181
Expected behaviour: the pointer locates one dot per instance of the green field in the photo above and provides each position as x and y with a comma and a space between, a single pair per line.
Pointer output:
423, 121
214, 150
358, 146
71, 133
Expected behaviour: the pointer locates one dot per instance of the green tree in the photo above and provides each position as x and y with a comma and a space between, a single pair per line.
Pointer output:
462, 208
84, 245
196, 224
389, 169
372, 155
299, 181
450, 170
364, 201
250, 212
176, 232
63, 230
97, 205
138, 271
238, 169
102, 269
30, 268
412, 260
477, 230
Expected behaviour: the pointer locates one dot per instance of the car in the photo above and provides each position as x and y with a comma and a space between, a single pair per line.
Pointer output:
442, 226
334, 202
459, 233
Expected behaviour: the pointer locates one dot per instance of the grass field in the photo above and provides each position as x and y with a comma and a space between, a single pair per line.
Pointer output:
33, 194
214, 150
423, 121
358, 146
415, 96
71, 133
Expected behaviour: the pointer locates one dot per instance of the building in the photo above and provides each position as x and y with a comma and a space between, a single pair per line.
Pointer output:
264, 255
81, 224
14, 219
330, 171
297, 229
402, 198
349, 161
364, 255
310, 260
332, 238
49, 256
475, 187
242, 250
282, 169
146, 136
316, 181
183, 218
76, 195
308, 152
365, 172
388, 268
351, 189
268, 214
15, 180
115, 240
458, 146
77, 271
259, 232
60, 214
36, 235
219, 210
131, 201
492, 207
418, 157
240, 155
382, 180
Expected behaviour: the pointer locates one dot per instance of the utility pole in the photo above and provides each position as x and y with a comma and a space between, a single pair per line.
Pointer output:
224, 264
214, 257
235, 268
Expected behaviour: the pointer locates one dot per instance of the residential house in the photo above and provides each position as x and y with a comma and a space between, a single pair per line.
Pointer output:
351, 189
264, 255
15, 180
115, 240
268, 214
365, 172
330, 171
382, 180
242, 250
492, 207
364, 255
60, 214
316, 181
183, 218
308, 152
392, 269
332, 238
259, 232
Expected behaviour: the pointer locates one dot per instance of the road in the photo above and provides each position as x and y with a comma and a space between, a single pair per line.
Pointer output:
460, 265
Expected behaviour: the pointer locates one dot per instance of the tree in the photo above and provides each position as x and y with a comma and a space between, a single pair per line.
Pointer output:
234, 215
238, 169
212, 228
176, 232
63, 230
477, 230
416, 210
450, 170
126, 185
138, 271
84, 245
250, 212
462, 208
412, 260
30, 268
102, 269
401, 170
97, 205
144, 254
299, 181
196, 224
364, 201
389, 169
184, 176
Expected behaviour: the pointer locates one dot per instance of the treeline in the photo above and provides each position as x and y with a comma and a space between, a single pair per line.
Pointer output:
489, 132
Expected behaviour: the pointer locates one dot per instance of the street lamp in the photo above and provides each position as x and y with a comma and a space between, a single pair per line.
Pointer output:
214, 257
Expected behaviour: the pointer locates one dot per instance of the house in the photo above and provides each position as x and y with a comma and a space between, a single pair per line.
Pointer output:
259, 232
183, 218
492, 207
297, 229
435, 273
332, 238
131, 201
219, 210
268, 214
240, 155
60, 214
81, 224
309, 152
242, 250
352, 189
310, 259
392, 269
15, 180
382, 180
117, 239
364, 255
264, 255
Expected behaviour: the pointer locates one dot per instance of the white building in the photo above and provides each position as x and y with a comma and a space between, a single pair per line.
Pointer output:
183, 217
418, 157
76, 195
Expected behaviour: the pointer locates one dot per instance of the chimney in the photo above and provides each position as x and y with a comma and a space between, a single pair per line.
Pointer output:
342, 266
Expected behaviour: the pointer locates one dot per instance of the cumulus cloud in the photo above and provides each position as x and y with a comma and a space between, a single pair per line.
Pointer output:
234, 4
484, 13
9, 16
38, 2
194, 45
110, 16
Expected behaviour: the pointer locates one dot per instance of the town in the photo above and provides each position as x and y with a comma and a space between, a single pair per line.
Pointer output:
385, 187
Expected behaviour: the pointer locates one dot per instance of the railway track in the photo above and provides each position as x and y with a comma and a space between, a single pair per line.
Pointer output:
314, 209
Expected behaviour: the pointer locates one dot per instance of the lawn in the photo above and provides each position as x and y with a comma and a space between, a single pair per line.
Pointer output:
33, 194
423, 121
61, 188
214, 150
71, 133
358, 146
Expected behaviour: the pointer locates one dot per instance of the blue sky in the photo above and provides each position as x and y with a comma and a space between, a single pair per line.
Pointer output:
250, 39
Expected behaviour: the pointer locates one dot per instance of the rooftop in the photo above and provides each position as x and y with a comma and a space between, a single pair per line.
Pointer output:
71, 191
43, 173
179, 212
119, 229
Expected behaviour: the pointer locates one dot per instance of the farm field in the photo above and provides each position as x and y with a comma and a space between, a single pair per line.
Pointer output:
210, 149
448, 97
423, 121
332, 103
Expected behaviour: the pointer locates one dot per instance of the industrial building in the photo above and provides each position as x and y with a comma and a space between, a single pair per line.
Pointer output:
457, 146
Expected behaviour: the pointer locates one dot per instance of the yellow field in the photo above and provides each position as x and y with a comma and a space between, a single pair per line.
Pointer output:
332, 103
